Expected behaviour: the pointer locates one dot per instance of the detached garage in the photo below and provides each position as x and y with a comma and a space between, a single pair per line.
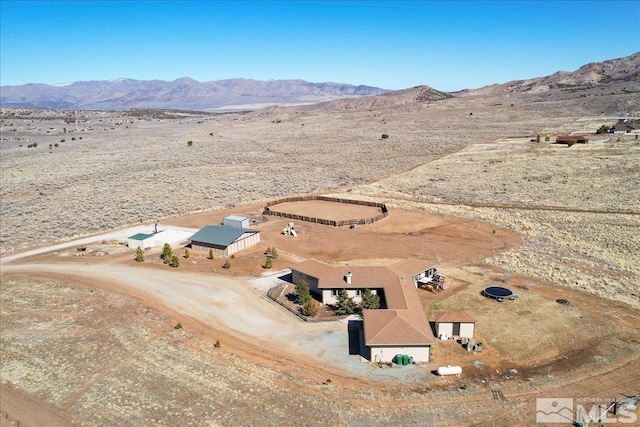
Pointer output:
459, 324
141, 240
224, 239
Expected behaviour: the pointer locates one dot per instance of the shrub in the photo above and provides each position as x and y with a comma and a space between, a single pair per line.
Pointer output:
310, 308
167, 253
62, 140
268, 263
73, 138
226, 265
210, 253
139, 254
175, 262
35, 144
56, 145
385, 136
273, 253
178, 326
186, 253
538, 138
189, 143
217, 344
232, 256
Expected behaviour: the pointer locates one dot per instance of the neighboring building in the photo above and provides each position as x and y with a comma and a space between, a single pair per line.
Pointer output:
571, 139
401, 328
457, 324
224, 239
236, 221
625, 128
141, 240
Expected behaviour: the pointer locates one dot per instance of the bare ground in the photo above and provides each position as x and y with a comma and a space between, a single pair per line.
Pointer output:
92, 340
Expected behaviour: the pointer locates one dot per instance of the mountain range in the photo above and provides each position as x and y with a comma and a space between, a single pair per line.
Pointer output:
183, 93
621, 74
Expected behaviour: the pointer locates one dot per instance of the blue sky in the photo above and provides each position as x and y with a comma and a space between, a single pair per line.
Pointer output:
395, 45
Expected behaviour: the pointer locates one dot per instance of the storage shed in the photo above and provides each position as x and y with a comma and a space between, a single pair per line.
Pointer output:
459, 324
224, 239
236, 221
141, 240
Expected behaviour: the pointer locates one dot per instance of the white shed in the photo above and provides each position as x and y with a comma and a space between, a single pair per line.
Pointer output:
141, 240
459, 324
236, 221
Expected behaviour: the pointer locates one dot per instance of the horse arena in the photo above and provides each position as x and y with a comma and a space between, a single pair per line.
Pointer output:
327, 210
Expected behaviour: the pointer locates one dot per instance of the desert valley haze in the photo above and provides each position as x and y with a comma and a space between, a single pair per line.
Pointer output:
470, 183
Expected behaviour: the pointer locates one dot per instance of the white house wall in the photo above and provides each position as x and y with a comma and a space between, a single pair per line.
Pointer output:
328, 298
467, 330
444, 328
386, 354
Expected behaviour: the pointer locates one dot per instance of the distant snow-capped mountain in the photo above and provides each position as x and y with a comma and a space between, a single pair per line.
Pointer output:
183, 93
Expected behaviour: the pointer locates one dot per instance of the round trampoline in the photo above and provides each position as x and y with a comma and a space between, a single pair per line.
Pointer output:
497, 292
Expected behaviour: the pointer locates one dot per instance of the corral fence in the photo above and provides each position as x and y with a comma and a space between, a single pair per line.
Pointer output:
357, 221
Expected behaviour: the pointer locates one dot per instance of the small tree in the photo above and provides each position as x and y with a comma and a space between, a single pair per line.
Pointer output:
187, 254
302, 292
268, 263
189, 143
385, 136
167, 253
210, 253
226, 265
370, 301
345, 304
273, 253
139, 254
310, 308
538, 138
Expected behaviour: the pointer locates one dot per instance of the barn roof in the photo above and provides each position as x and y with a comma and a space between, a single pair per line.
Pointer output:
222, 235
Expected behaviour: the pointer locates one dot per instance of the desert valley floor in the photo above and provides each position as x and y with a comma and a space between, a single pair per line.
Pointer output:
89, 338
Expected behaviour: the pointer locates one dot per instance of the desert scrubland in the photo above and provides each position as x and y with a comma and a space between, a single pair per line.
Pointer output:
90, 350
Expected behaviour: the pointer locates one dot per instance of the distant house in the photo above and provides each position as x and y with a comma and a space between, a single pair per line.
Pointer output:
141, 240
625, 128
458, 324
236, 221
571, 139
400, 328
224, 239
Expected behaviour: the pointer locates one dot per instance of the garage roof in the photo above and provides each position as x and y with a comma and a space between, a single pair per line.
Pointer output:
222, 235
140, 236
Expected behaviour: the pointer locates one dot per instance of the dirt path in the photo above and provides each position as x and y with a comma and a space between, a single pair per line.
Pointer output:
22, 410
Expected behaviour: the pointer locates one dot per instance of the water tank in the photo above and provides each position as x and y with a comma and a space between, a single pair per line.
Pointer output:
399, 359
449, 370
405, 359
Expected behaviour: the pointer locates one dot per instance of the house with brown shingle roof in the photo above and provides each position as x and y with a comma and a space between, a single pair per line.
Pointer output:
458, 324
400, 328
